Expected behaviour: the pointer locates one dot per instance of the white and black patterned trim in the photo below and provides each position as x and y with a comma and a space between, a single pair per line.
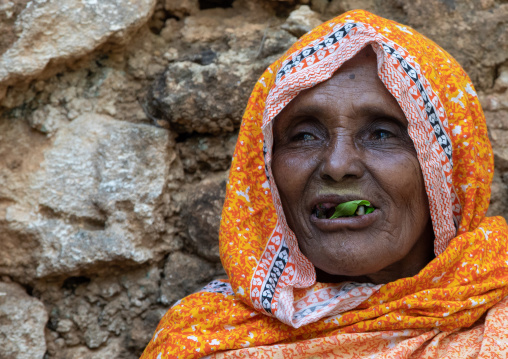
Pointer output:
217, 286
311, 50
347, 288
278, 265
441, 135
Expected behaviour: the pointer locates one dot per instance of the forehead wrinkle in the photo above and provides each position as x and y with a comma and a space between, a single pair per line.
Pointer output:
365, 95
315, 105
381, 112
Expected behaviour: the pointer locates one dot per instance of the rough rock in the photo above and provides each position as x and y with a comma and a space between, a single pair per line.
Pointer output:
114, 349
498, 130
99, 190
498, 198
21, 151
302, 21
497, 122
206, 91
9, 12
181, 8
202, 154
201, 213
91, 312
184, 274
22, 322
82, 27
495, 105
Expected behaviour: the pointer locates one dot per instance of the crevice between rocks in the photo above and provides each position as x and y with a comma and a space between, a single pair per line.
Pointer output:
89, 224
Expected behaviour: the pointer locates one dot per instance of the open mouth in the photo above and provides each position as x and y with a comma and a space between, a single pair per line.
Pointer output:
345, 209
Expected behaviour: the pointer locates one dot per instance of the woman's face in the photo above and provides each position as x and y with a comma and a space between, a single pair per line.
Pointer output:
342, 140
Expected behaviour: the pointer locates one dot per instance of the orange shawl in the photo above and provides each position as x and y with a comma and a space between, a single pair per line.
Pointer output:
272, 305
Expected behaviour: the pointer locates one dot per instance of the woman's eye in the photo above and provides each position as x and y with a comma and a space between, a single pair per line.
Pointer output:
382, 134
304, 137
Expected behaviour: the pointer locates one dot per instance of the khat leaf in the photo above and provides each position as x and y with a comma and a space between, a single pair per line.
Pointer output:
349, 208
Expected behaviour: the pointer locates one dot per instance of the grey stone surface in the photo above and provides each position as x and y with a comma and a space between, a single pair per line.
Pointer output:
205, 91
184, 274
201, 213
301, 21
22, 322
99, 191
82, 26
181, 8
201, 155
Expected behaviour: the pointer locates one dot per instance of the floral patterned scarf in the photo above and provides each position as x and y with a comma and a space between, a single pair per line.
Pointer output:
272, 305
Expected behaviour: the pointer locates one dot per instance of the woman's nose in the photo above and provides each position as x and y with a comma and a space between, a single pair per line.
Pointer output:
341, 160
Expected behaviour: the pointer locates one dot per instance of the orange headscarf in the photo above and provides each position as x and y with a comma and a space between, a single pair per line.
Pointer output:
272, 305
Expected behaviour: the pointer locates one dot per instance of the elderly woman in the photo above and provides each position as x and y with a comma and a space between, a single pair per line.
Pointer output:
360, 109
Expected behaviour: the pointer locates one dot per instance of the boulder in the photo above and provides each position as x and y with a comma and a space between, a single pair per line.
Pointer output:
34, 41
301, 21
201, 214
184, 274
100, 191
206, 90
22, 322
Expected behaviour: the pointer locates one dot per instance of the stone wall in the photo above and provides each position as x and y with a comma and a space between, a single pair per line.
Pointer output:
118, 120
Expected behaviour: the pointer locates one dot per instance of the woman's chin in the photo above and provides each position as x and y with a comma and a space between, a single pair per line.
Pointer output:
352, 248
348, 246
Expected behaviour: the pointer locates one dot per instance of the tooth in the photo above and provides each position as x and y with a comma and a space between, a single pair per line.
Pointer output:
360, 211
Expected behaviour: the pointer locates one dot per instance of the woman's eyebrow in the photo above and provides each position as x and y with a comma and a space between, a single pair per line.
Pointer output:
303, 109
377, 112
372, 110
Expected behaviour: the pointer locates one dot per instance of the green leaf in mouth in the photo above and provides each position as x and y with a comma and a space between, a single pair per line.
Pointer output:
348, 209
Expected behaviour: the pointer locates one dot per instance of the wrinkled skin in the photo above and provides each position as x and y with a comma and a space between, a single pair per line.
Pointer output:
346, 139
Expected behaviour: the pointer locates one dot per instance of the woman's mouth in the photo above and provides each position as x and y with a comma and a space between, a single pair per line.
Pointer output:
324, 210
329, 216
329, 210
